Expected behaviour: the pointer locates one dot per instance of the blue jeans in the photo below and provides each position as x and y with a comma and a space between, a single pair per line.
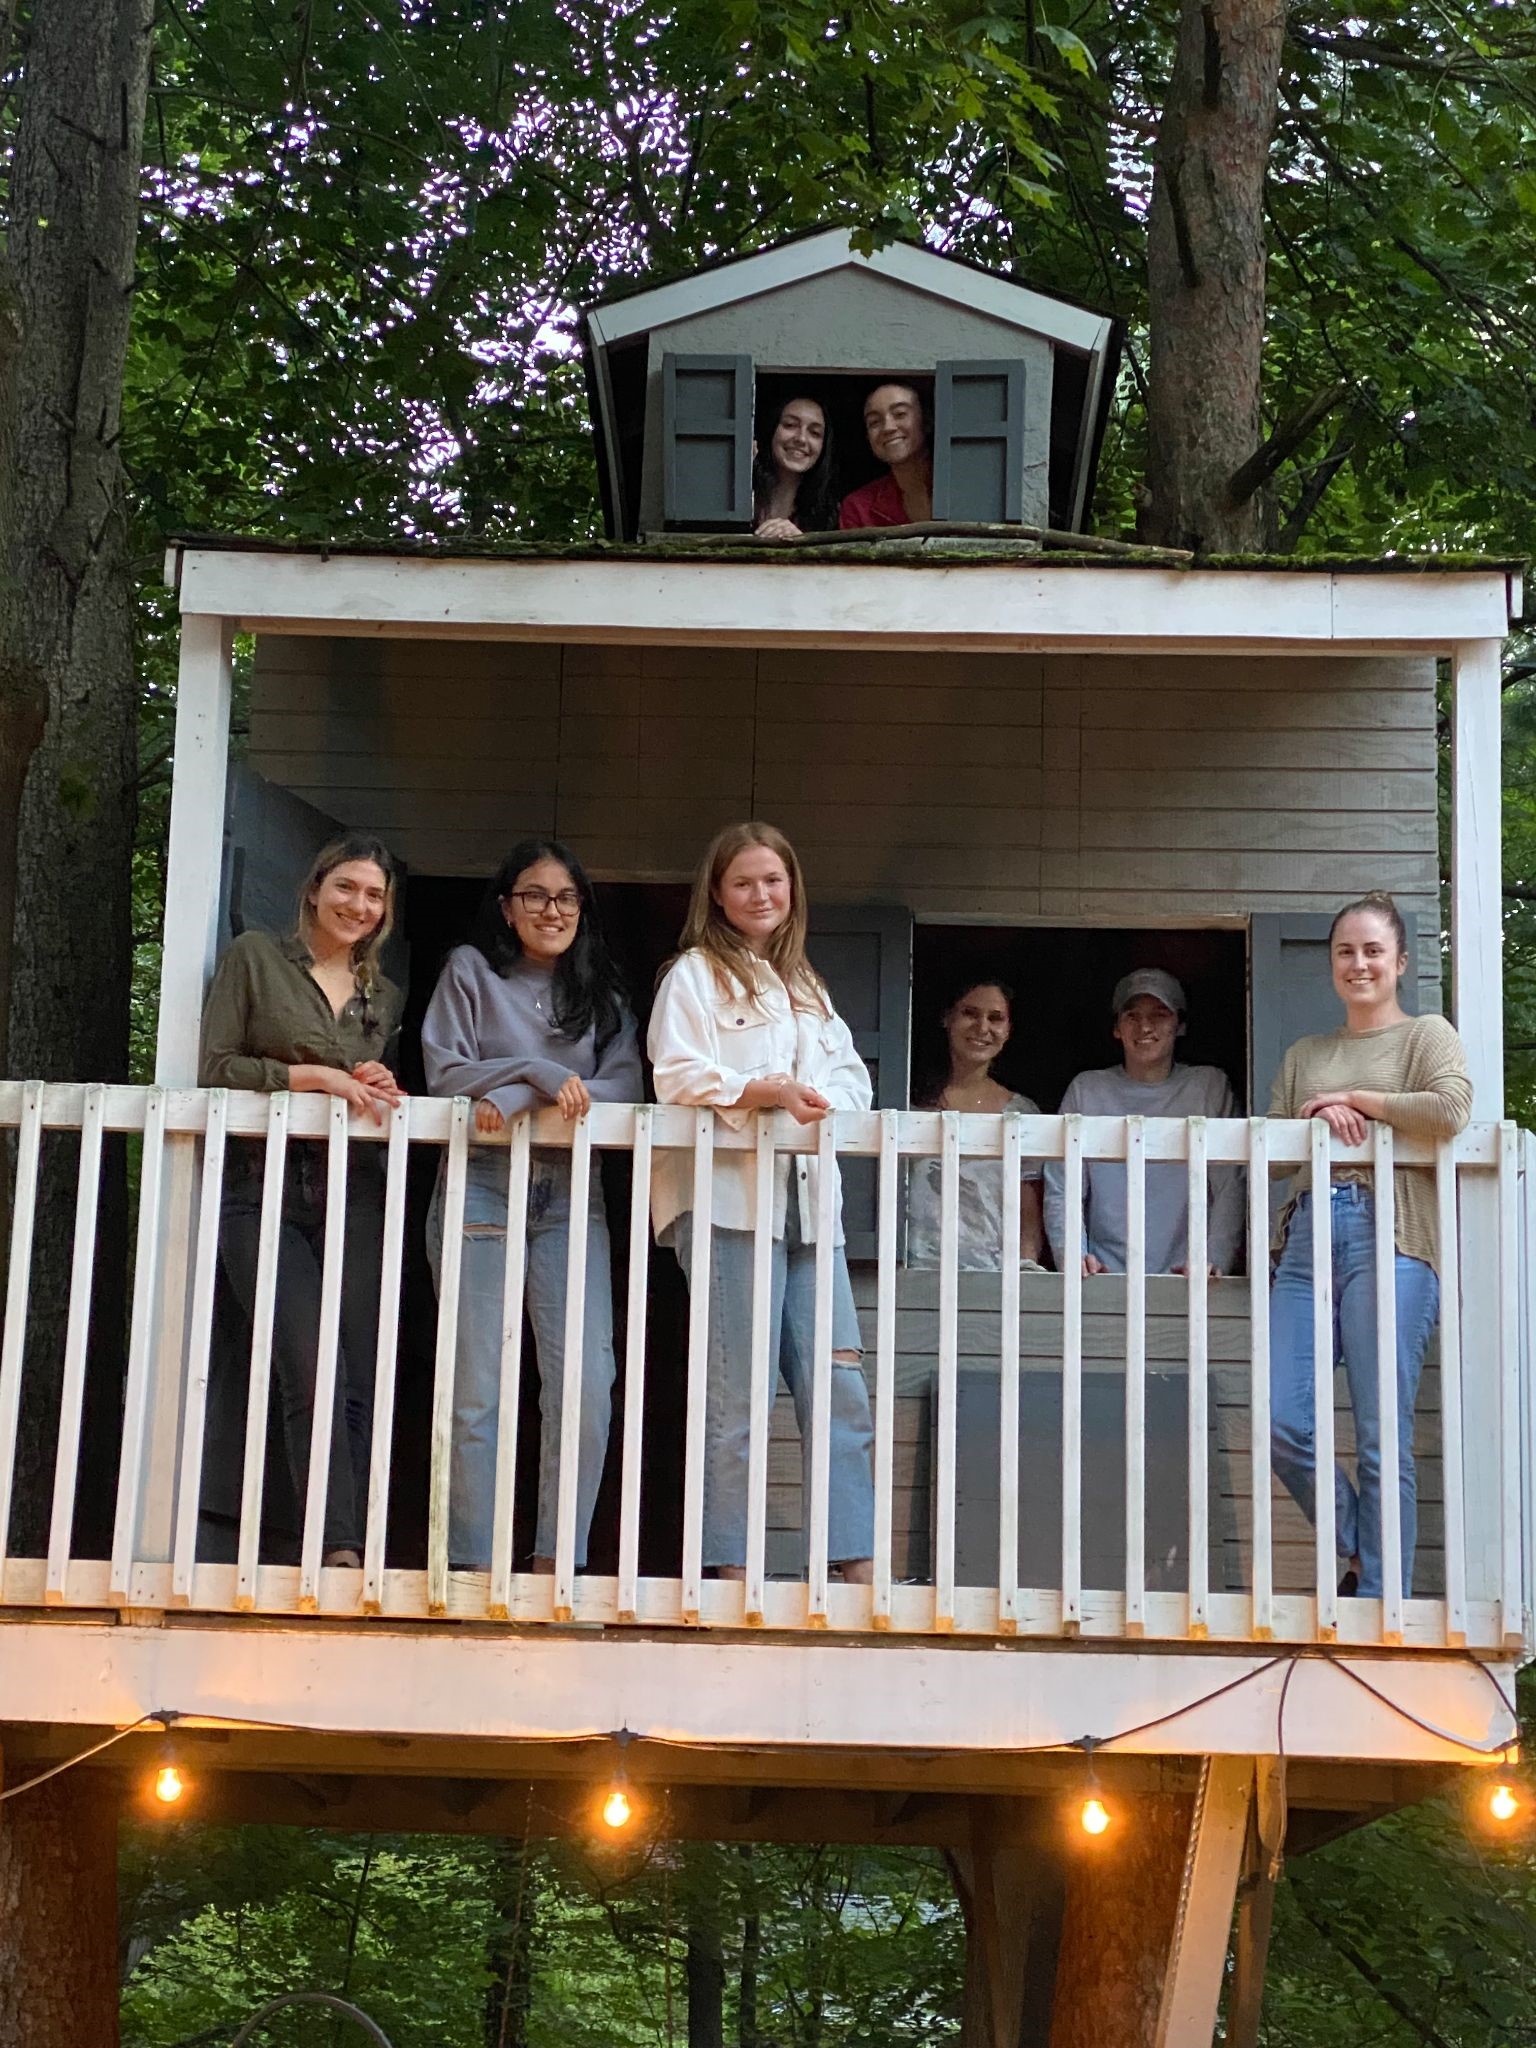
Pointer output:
1357, 1510
477, 1365
792, 1346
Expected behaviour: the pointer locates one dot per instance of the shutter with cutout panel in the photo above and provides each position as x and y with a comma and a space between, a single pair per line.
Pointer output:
864, 954
706, 435
978, 441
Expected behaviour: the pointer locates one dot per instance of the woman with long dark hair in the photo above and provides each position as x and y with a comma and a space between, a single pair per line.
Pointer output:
530, 1012
313, 1014
792, 473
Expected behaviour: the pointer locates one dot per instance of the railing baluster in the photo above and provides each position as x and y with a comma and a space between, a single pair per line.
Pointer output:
1008, 1384
1259, 1421
572, 1378
764, 1372
509, 1385
386, 1357
445, 1358
77, 1336
1450, 1395
698, 1362
1135, 1376
1511, 1600
1072, 1379
142, 1336
322, 1427
1385, 1203
631, 1472
885, 1360
821, 1379
199, 1348
1322, 1378
949, 1364
263, 1308
18, 1288
1197, 1266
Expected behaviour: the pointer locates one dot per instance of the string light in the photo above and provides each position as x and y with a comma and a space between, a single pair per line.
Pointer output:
1093, 1815
170, 1782
618, 1809
1503, 1802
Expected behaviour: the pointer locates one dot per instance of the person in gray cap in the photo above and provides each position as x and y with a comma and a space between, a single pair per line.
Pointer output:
1149, 1010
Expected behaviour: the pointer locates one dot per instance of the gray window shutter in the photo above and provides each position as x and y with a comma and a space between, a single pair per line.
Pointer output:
706, 437
978, 441
864, 954
1291, 988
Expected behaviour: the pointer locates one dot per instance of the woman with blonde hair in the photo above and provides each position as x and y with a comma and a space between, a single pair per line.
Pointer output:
314, 1014
742, 1022
1380, 1066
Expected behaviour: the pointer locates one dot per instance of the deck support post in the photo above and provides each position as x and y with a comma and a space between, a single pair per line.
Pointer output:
1009, 1887
1202, 1931
58, 1914
1256, 1904
194, 864
1477, 1003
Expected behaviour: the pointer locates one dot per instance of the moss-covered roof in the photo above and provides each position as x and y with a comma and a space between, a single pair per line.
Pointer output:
947, 553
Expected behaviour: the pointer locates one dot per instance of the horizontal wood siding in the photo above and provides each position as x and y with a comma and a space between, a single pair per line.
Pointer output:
1008, 787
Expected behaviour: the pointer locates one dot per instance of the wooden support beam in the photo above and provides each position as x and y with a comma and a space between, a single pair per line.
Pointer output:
1256, 1904
1008, 1884
1202, 1930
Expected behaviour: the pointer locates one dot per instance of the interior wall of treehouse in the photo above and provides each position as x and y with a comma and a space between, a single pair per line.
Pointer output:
985, 789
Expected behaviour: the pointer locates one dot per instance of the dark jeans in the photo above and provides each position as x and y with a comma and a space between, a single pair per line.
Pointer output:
296, 1318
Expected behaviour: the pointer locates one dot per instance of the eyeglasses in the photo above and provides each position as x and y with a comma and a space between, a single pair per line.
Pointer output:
536, 901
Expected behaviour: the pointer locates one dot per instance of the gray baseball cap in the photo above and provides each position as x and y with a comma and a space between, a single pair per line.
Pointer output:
1149, 981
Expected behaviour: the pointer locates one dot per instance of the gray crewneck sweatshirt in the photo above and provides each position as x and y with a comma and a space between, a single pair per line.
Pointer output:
493, 1036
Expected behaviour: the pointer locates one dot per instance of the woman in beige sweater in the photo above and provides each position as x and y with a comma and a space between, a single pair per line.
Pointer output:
1409, 1072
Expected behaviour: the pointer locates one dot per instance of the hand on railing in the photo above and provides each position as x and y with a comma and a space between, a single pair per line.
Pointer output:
1339, 1113
370, 1088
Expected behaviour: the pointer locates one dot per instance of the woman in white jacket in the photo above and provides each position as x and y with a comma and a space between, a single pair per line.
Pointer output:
743, 1022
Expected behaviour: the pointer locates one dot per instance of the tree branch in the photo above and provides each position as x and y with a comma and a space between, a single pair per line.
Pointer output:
1283, 443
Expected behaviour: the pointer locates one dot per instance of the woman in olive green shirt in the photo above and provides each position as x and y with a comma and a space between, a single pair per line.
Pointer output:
313, 1014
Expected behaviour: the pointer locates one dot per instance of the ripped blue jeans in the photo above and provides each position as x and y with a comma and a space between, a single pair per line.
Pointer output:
477, 1367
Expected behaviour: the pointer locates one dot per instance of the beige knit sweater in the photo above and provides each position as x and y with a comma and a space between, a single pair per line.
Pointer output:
1420, 1068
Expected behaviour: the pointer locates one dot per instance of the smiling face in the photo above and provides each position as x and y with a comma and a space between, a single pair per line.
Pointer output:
1367, 961
347, 905
799, 437
977, 1027
545, 926
754, 895
893, 420
1148, 1032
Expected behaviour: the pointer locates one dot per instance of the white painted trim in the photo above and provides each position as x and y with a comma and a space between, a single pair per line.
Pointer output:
1477, 902
195, 851
502, 1685
748, 277
1192, 1983
747, 602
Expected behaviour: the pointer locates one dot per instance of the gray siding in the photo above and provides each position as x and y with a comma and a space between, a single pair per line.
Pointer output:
995, 788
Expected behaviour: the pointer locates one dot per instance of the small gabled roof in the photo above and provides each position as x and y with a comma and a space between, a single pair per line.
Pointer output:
733, 278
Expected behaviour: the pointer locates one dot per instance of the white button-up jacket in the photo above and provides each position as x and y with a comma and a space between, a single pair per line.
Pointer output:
705, 1047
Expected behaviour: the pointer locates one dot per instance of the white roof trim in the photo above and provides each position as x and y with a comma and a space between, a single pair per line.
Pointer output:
731, 603
919, 269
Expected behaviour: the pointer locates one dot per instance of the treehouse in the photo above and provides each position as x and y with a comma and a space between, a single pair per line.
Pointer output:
1054, 766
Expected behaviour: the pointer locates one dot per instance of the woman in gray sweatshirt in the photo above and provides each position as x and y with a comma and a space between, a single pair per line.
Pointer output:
530, 1013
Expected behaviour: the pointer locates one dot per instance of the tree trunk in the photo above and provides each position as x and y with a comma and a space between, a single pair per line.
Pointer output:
1205, 273
66, 633
58, 1914
509, 1992
706, 1960
1117, 1930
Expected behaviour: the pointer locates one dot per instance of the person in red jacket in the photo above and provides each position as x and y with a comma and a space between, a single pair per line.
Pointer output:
897, 425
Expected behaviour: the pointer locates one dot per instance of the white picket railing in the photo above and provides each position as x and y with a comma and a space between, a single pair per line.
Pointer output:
186, 1139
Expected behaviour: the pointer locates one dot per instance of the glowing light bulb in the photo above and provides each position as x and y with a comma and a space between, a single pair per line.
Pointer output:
1094, 1816
617, 1811
169, 1784
1503, 1802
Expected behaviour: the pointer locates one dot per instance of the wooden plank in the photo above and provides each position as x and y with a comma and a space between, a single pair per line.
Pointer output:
1000, 784
1477, 902
1072, 1381
199, 1348
573, 1377
1384, 1192
1257, 831
263, 1304
142, 1336
509, 1386
1199, 1430
821, 1378
380, 1455
698, 1362
66, 1464
1307, 677
631, 1472
1214, 874
1321, 1189
18, 1288
1135, 1375
1262, 1578
886, 1402
876, 742
764, 1370
445, 1356
322, 1426
1008, 1382
1511, 1602
195, 842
